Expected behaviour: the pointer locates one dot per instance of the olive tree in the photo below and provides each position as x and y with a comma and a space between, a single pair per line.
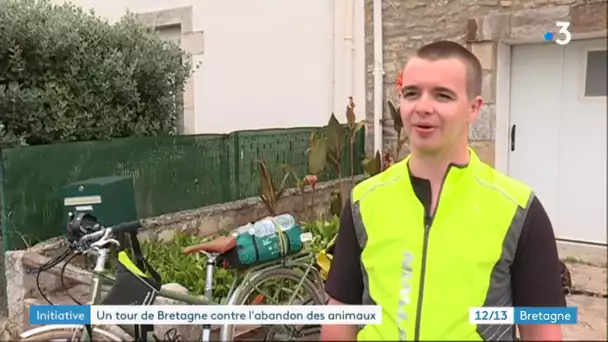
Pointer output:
68, 75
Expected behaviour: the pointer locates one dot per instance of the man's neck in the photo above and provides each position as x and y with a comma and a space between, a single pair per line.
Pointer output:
434, 166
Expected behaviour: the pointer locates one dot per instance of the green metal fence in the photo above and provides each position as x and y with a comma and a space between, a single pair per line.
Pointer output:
169, 174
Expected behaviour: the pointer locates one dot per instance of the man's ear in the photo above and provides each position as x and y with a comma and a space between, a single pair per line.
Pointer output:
475, 108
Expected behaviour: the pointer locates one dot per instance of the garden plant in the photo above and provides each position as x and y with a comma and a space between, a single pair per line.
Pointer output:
68, 75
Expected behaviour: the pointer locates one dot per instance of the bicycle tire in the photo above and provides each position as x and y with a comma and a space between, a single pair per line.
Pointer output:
66, 333
276, 273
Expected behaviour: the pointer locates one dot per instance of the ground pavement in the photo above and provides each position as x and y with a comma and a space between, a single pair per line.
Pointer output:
592, 310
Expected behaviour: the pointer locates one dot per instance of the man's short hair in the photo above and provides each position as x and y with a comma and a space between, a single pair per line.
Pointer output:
445, 49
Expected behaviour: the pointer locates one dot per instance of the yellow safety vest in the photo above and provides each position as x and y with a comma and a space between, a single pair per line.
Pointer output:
426, 275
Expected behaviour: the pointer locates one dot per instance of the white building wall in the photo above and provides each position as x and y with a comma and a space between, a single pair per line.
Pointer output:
266, 63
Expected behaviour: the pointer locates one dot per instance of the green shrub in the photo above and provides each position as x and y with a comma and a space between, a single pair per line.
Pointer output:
323, 232
67, 75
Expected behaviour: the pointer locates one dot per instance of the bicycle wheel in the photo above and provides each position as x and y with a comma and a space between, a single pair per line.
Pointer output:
265, 279
67, 334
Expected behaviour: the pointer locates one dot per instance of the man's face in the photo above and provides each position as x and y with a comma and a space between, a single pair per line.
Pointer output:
434, 106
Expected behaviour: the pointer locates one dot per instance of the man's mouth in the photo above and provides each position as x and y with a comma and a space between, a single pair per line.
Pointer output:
424, 128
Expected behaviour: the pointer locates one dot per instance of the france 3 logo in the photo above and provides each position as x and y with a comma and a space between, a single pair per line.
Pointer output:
563, 35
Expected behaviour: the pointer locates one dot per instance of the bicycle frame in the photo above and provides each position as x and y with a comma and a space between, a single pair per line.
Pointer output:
96, 287
303, 260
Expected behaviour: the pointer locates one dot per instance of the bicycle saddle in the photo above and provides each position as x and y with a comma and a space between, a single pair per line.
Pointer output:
220, 245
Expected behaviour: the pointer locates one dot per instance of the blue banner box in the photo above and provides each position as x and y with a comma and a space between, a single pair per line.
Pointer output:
60, 314
545, 315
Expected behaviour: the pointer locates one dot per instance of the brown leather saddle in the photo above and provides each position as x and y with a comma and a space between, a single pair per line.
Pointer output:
220, 245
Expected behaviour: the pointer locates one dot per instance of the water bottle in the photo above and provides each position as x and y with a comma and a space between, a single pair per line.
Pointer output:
285, 221
267, 226
242, 230
264, 227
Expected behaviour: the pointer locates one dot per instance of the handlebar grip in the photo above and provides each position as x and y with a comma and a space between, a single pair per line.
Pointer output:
127, 227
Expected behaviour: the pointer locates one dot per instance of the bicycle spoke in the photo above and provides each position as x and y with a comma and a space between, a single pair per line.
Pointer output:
256, 287
280, 288
277, 288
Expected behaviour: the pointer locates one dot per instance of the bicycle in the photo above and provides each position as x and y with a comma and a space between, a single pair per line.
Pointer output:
98, 242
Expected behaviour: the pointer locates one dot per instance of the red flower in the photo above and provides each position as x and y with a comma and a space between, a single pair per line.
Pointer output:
312, 180
399, 81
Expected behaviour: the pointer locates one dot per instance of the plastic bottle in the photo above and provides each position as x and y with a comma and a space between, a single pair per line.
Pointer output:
285, 221
242, 229
267, 226
264, 227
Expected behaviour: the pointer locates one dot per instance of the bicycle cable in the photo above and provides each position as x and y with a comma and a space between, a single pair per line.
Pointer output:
172, 335
47, 266
62, 279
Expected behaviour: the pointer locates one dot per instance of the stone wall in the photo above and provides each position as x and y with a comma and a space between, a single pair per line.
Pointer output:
480, 24
226, 216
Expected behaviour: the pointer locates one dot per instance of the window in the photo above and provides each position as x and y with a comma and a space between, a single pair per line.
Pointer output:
170, 32
596, 73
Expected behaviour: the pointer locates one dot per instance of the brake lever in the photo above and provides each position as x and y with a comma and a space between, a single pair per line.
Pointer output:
99, 244
104, 242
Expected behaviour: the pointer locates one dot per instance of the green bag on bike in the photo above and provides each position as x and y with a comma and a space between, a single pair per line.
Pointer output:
253, 250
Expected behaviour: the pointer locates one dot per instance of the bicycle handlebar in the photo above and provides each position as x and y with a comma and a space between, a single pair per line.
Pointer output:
126, 227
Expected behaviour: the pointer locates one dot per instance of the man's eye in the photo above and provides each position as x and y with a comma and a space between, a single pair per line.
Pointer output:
409, 94
444, 96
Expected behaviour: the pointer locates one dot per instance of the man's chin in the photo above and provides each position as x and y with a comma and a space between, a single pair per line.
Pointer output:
424, 147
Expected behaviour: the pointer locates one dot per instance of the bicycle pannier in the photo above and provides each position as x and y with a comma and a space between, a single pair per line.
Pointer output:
134, 287
252, 249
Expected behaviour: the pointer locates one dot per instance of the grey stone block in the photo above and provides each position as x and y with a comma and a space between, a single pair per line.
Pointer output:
529, 24
483, 128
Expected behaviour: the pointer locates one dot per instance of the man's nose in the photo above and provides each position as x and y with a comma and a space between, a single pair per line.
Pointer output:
424, 106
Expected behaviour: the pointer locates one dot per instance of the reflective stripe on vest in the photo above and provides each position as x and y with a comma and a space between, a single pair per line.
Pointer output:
424, 275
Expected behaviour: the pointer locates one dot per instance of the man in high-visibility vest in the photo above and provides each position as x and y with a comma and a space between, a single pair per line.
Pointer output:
440, 231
